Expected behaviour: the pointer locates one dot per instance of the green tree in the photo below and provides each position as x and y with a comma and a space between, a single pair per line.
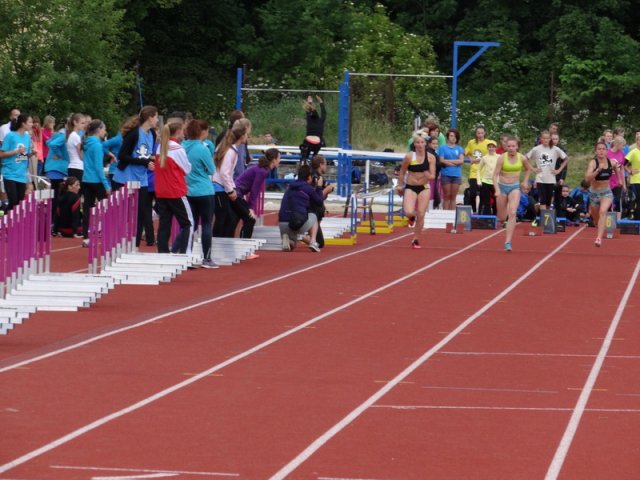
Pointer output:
60, 56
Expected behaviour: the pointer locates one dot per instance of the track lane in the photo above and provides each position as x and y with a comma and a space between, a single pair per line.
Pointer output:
301, 358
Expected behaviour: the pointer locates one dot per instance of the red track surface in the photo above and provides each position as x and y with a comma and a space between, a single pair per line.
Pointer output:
350, 364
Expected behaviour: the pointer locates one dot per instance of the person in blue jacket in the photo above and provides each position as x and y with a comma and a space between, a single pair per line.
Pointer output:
14, 154
200, 188
294, 217
135, 158
95, 185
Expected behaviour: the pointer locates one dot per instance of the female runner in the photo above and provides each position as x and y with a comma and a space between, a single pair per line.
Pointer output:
599, 172
506, 182
420, 168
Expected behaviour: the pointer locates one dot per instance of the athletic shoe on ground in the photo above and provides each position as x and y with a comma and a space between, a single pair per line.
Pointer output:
412, 222
208, 263
598, 242
415, 244
314, 246
252, 256
286, 246
507, 246
77, 235
85, 242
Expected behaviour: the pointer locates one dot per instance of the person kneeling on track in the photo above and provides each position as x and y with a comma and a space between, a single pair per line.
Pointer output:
294, 217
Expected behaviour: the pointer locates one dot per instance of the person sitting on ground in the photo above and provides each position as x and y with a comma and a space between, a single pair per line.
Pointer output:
526, 211
567, 207
581, 196
294, 217
67, 212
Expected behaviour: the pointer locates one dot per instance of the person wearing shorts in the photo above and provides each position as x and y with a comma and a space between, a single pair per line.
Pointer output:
506, 183
451, 157
599, 172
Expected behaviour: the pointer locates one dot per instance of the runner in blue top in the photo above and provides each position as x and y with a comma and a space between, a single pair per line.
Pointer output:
15, 152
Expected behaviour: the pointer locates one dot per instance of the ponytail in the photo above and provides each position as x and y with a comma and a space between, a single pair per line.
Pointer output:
169, 130
232, 136
269, 156
71, 121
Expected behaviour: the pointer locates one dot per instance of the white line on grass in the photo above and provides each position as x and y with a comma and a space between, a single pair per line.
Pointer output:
576, 416
342, 424
191, 307
167, 391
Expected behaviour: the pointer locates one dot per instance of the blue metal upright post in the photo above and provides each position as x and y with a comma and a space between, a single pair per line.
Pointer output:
483, 47
239, 89
344, 160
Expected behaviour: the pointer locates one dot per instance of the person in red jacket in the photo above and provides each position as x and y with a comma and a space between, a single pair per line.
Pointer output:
172, 165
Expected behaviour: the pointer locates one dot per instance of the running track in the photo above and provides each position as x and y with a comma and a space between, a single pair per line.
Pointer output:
374, 362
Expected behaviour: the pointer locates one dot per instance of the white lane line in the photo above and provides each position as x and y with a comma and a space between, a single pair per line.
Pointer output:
576, 416
524, 409
178, 386
487, 389
144, 470
137, 477
524, 354
191, 307
354, 414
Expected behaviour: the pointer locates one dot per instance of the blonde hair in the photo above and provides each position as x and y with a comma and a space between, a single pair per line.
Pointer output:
308, 107
168, 131
619, 140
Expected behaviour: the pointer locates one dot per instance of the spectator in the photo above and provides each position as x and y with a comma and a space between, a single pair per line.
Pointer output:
485, 179
6, 128
200, 189
75, 125
37, 143
544, 157
249, 186
95, 185
225, 160
113, 145
567, 207
451, 158
294, 217
244, 157
581, 196
607, 138
314, 137
67, 212
14, 153
318, 170
616, 154
48, 126
527, 207
171, 189
632, 165
475, 149
135, 158
269, 140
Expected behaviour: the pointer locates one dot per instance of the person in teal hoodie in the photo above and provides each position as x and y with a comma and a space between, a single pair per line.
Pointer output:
95, 185
200, 189
56, 168
14, 154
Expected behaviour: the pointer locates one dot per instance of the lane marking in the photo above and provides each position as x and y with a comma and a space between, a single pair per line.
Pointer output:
576, 416
66, 248
354, 414
523, 354
191, 307
144, 470
488, 389
178, 386
525, 409
137, 477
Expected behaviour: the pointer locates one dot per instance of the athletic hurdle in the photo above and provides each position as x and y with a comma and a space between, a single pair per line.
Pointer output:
112, 249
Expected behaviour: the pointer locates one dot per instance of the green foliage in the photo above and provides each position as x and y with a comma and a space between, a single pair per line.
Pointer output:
62, 56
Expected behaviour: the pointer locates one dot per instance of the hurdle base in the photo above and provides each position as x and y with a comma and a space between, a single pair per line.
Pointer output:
343, 241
